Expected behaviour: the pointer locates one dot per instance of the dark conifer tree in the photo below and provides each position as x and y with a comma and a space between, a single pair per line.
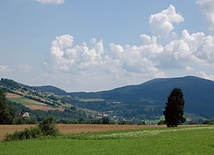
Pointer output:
4, 113
174, 109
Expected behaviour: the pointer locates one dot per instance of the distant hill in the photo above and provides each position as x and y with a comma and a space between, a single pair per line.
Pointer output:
145, 101
198, 95
50, 89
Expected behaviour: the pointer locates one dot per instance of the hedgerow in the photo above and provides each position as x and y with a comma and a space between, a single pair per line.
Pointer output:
45, 128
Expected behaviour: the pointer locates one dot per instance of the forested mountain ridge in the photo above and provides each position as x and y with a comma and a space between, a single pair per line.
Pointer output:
145, 101
198, 94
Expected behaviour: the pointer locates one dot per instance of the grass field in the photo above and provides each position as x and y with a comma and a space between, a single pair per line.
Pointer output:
182, 140
74, 128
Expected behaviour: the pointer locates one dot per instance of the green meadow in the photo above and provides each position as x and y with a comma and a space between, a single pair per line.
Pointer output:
20, 100
181, 140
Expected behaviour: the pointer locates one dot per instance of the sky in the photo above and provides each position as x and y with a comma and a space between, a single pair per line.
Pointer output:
95, 45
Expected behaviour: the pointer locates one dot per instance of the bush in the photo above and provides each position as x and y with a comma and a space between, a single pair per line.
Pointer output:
28, 133
45, 128
161, 122
209, 122
142, 123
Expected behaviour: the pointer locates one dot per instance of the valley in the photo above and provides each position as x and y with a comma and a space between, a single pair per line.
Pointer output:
129, 104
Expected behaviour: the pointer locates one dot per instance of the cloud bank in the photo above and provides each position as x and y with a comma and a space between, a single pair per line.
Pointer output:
50, 1
207, 8
93, 64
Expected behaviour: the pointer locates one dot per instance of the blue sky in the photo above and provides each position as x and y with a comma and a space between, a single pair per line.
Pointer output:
93, 45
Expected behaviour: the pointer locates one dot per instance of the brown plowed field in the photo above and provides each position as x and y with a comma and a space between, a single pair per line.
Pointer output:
75, 128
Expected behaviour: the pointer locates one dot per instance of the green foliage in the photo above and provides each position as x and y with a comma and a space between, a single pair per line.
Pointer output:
72, 115
107, 120
9, 83
161, 122
142, 123
125, 122
51, 89
3, 109
144, 102
25, 120
209, 122
28, 133
174, 109
47, 127
7, 113
141, 109
200, 102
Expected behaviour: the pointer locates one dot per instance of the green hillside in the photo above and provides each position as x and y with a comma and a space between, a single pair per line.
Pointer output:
39, 104
136, 102
148, 99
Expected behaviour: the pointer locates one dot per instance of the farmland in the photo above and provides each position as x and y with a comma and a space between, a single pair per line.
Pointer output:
126, 140
31, 104
74, 128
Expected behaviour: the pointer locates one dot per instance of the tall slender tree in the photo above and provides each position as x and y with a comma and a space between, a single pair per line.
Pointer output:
4, 113
174, 109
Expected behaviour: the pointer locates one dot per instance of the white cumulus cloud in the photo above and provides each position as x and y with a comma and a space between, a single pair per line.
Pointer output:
50, 1
66, 57
207, 8
161, 24
116, 65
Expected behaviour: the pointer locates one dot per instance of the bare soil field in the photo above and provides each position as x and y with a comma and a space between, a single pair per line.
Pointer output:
11, 95
75, 128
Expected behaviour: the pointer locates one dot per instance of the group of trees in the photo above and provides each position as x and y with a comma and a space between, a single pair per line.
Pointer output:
9, 113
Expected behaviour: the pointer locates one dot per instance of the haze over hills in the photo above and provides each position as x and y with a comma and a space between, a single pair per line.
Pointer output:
145, 101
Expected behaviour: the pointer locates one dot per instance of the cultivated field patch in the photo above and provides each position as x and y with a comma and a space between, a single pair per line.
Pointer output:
11, 95
31, 104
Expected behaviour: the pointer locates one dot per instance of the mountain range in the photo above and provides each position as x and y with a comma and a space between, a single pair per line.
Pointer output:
144, 101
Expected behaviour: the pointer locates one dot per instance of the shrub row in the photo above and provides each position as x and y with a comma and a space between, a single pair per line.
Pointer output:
45, 128
28, 133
